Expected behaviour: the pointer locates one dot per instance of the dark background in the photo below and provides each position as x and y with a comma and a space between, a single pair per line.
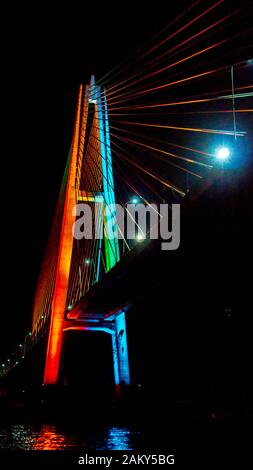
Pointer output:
47, 52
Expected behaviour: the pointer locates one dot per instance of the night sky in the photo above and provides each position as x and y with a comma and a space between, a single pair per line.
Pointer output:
47, 53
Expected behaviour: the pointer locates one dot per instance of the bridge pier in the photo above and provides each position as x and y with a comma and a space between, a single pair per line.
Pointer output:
116, 327
121, 350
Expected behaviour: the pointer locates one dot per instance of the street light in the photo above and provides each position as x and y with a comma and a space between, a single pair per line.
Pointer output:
134, 200
140, 237
223, 153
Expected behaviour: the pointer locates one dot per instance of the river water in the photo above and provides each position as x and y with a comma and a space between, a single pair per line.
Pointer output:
57, 437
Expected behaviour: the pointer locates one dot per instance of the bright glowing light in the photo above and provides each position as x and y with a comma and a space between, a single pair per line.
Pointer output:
140, 237
87, 261
223, 153
55, 337
135, 200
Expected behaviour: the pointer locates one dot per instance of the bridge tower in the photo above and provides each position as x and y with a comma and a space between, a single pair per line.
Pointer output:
71, 266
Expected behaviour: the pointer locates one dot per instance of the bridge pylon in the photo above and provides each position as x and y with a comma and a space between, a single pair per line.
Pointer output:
71, 266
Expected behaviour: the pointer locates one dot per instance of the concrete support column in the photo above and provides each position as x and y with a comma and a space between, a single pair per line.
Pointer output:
122, 349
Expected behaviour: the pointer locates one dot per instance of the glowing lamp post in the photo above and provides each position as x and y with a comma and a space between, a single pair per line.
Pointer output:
134, 200
222, 154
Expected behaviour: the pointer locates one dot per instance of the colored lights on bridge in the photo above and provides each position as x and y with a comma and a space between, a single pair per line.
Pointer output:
87, 261
223, 153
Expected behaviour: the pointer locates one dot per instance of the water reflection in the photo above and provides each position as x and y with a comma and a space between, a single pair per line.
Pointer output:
53, 437
117, 439
18, 436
